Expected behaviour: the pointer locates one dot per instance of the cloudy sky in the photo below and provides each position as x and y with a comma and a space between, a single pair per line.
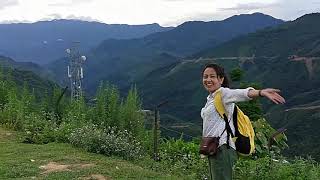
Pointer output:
164, 12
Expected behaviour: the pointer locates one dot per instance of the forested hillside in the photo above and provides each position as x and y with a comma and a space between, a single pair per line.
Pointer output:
123, 62
45, 41
284, 57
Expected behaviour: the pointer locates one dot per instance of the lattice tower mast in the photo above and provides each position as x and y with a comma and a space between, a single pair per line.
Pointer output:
75, 70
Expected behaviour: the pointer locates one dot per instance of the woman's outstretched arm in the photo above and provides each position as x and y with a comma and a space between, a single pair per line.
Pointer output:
270, 93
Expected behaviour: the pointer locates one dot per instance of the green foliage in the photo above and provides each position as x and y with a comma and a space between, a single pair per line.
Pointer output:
276, 169
3, 94
113, 107
13, 111
100, 106
109, 141
76, 112
22, 161
45, 102
264, 142
182, 158
131, 118
236, 74
59, 101
64, 130
106, 109
40, 128
253, 108
44, 121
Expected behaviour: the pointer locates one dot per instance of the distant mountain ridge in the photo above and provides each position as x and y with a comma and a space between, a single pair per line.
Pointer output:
135, 58
285, 57
36, 78
299, 37
190, 37
44, 41
6, 62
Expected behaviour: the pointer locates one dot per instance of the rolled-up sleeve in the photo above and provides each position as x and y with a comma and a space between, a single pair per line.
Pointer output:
235, 95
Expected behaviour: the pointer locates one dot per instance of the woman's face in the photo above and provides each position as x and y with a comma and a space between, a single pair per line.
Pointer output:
210, 80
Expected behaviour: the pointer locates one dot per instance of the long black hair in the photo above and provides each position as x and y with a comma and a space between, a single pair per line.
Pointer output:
220, 73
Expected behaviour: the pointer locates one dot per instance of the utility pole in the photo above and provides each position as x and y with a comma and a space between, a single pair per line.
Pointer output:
75, 70
156, 130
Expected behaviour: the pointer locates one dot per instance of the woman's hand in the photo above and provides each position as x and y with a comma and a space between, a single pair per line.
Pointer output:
273, 95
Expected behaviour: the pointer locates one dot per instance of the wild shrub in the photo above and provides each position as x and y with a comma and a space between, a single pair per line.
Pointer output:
108, 111
39, 129
109, 141
183, 157
130, 117
107, 107
276, 169
264, 142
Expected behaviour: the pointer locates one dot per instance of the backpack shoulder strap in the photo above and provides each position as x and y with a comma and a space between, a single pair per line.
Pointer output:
218, 104
222, 112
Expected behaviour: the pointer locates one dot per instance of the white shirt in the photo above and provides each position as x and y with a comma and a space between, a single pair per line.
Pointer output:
213, 123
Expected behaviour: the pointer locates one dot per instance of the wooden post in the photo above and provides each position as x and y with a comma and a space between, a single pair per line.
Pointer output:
156, 130
155, 135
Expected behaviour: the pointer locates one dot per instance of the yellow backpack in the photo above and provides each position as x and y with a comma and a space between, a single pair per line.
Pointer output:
244, 133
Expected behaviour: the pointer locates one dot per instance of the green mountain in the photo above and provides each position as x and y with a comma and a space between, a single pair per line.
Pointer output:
190, 37
45, 41
285, 57
299, 37
36, 77
7, 62
124, 62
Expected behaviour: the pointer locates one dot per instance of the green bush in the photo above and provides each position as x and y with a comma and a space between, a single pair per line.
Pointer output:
39, 129
263, 134
183, 158
109, 141
277, 169
64, 131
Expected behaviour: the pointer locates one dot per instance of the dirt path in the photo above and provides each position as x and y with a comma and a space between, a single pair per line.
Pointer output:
303, 108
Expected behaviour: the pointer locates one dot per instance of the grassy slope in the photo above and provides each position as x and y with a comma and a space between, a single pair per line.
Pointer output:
23, 161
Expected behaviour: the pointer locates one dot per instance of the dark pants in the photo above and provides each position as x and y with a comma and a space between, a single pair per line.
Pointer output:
221, 165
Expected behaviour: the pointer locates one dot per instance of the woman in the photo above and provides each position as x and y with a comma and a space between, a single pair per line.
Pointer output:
213, 79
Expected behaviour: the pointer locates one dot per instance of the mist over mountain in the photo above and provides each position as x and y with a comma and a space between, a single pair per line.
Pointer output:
45, 41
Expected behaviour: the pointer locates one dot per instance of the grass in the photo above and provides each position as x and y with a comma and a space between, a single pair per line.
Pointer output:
24, 161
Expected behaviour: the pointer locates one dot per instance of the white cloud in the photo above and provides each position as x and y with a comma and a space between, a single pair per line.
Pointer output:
7, 3
14, 21
164, 12
67, 2
55, 16
184, 0
84, 18
249, 7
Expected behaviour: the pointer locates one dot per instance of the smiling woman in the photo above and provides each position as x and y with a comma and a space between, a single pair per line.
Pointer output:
215, 80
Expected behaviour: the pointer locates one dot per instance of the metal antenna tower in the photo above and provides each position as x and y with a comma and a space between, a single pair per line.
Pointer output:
75, 71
